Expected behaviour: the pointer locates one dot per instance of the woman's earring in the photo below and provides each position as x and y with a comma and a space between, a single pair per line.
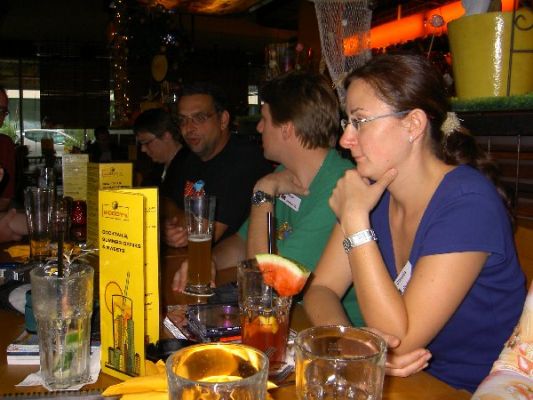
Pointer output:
411, 139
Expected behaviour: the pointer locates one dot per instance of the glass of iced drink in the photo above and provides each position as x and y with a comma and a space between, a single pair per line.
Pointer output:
63, 306
199, 219
217, 371
264, 315
339, 362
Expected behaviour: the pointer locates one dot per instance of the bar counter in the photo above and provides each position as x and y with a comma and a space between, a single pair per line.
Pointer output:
418, 386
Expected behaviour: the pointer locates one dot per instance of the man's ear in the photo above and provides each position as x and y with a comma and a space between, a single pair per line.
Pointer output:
166, 136
287, 130
224, 119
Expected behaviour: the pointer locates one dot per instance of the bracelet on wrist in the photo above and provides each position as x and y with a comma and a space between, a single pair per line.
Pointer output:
358, 239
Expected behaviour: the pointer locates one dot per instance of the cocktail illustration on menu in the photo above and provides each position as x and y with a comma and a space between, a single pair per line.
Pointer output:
122, 355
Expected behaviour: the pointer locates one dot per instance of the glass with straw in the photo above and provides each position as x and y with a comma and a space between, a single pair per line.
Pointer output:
62, 302
264, 314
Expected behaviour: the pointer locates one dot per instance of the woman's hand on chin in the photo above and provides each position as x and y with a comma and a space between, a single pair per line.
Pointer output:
354, 197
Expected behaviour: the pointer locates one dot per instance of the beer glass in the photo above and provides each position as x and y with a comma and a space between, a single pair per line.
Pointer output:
199, 219
339, 362
39, 205
217, 371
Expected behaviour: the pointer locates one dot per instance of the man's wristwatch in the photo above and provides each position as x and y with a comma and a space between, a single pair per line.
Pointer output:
358, 239
260, 197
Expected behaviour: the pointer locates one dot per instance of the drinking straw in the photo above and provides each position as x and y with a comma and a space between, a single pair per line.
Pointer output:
268, 289
60, 221
269, 232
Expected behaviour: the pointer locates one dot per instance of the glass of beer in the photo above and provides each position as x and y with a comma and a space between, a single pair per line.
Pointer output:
217, 371
199, 219
39, 205
339, 362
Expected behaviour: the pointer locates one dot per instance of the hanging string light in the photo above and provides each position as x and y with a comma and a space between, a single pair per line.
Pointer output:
119, 57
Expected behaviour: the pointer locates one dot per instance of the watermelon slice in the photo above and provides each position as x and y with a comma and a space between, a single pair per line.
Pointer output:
287, 277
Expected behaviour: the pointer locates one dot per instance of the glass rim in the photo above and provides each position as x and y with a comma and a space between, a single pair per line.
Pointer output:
170, 361
308, 332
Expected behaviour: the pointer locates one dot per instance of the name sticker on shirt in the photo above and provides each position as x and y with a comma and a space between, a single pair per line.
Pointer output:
291, 200
404, 277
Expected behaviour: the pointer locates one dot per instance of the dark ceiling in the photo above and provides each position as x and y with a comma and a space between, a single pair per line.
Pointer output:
29, 21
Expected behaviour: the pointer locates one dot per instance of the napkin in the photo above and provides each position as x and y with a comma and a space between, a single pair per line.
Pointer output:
19, 251
36, 379
151, 386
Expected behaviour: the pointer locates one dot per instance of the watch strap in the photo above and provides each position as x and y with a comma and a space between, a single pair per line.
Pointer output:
358, 239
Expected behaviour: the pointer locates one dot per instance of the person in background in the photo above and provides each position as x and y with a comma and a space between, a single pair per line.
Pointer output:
13, 225
7, 158
423, 233
158, 136
103, 149
229, 168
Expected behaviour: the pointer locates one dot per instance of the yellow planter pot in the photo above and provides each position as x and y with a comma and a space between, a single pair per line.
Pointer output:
480, 47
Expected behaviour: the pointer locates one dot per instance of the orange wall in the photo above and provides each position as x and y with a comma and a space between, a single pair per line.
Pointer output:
411, 27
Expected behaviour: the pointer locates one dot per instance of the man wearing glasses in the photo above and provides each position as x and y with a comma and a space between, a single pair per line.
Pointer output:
228, 167
159, 138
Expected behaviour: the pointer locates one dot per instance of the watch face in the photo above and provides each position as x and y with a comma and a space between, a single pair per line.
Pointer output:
258, 197
347, 244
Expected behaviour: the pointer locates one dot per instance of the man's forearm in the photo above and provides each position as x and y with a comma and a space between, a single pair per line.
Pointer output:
257, 241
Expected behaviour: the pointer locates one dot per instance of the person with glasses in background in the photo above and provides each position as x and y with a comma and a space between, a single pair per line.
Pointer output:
424, 233
229, 168
158, 137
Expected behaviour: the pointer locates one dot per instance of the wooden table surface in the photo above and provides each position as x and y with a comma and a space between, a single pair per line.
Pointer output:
418, 386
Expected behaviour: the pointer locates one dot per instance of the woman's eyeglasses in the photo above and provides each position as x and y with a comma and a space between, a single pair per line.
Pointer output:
356, 122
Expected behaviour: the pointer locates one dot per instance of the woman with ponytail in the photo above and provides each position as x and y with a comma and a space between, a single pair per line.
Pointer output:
424, 232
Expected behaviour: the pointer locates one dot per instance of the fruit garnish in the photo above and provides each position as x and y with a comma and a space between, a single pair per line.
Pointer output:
270, 323
287, 277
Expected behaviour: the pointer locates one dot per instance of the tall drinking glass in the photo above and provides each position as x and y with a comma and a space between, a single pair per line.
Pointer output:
47, 178
39, 205
264, 315
339, 362
63, 306
199, 219
217, 371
